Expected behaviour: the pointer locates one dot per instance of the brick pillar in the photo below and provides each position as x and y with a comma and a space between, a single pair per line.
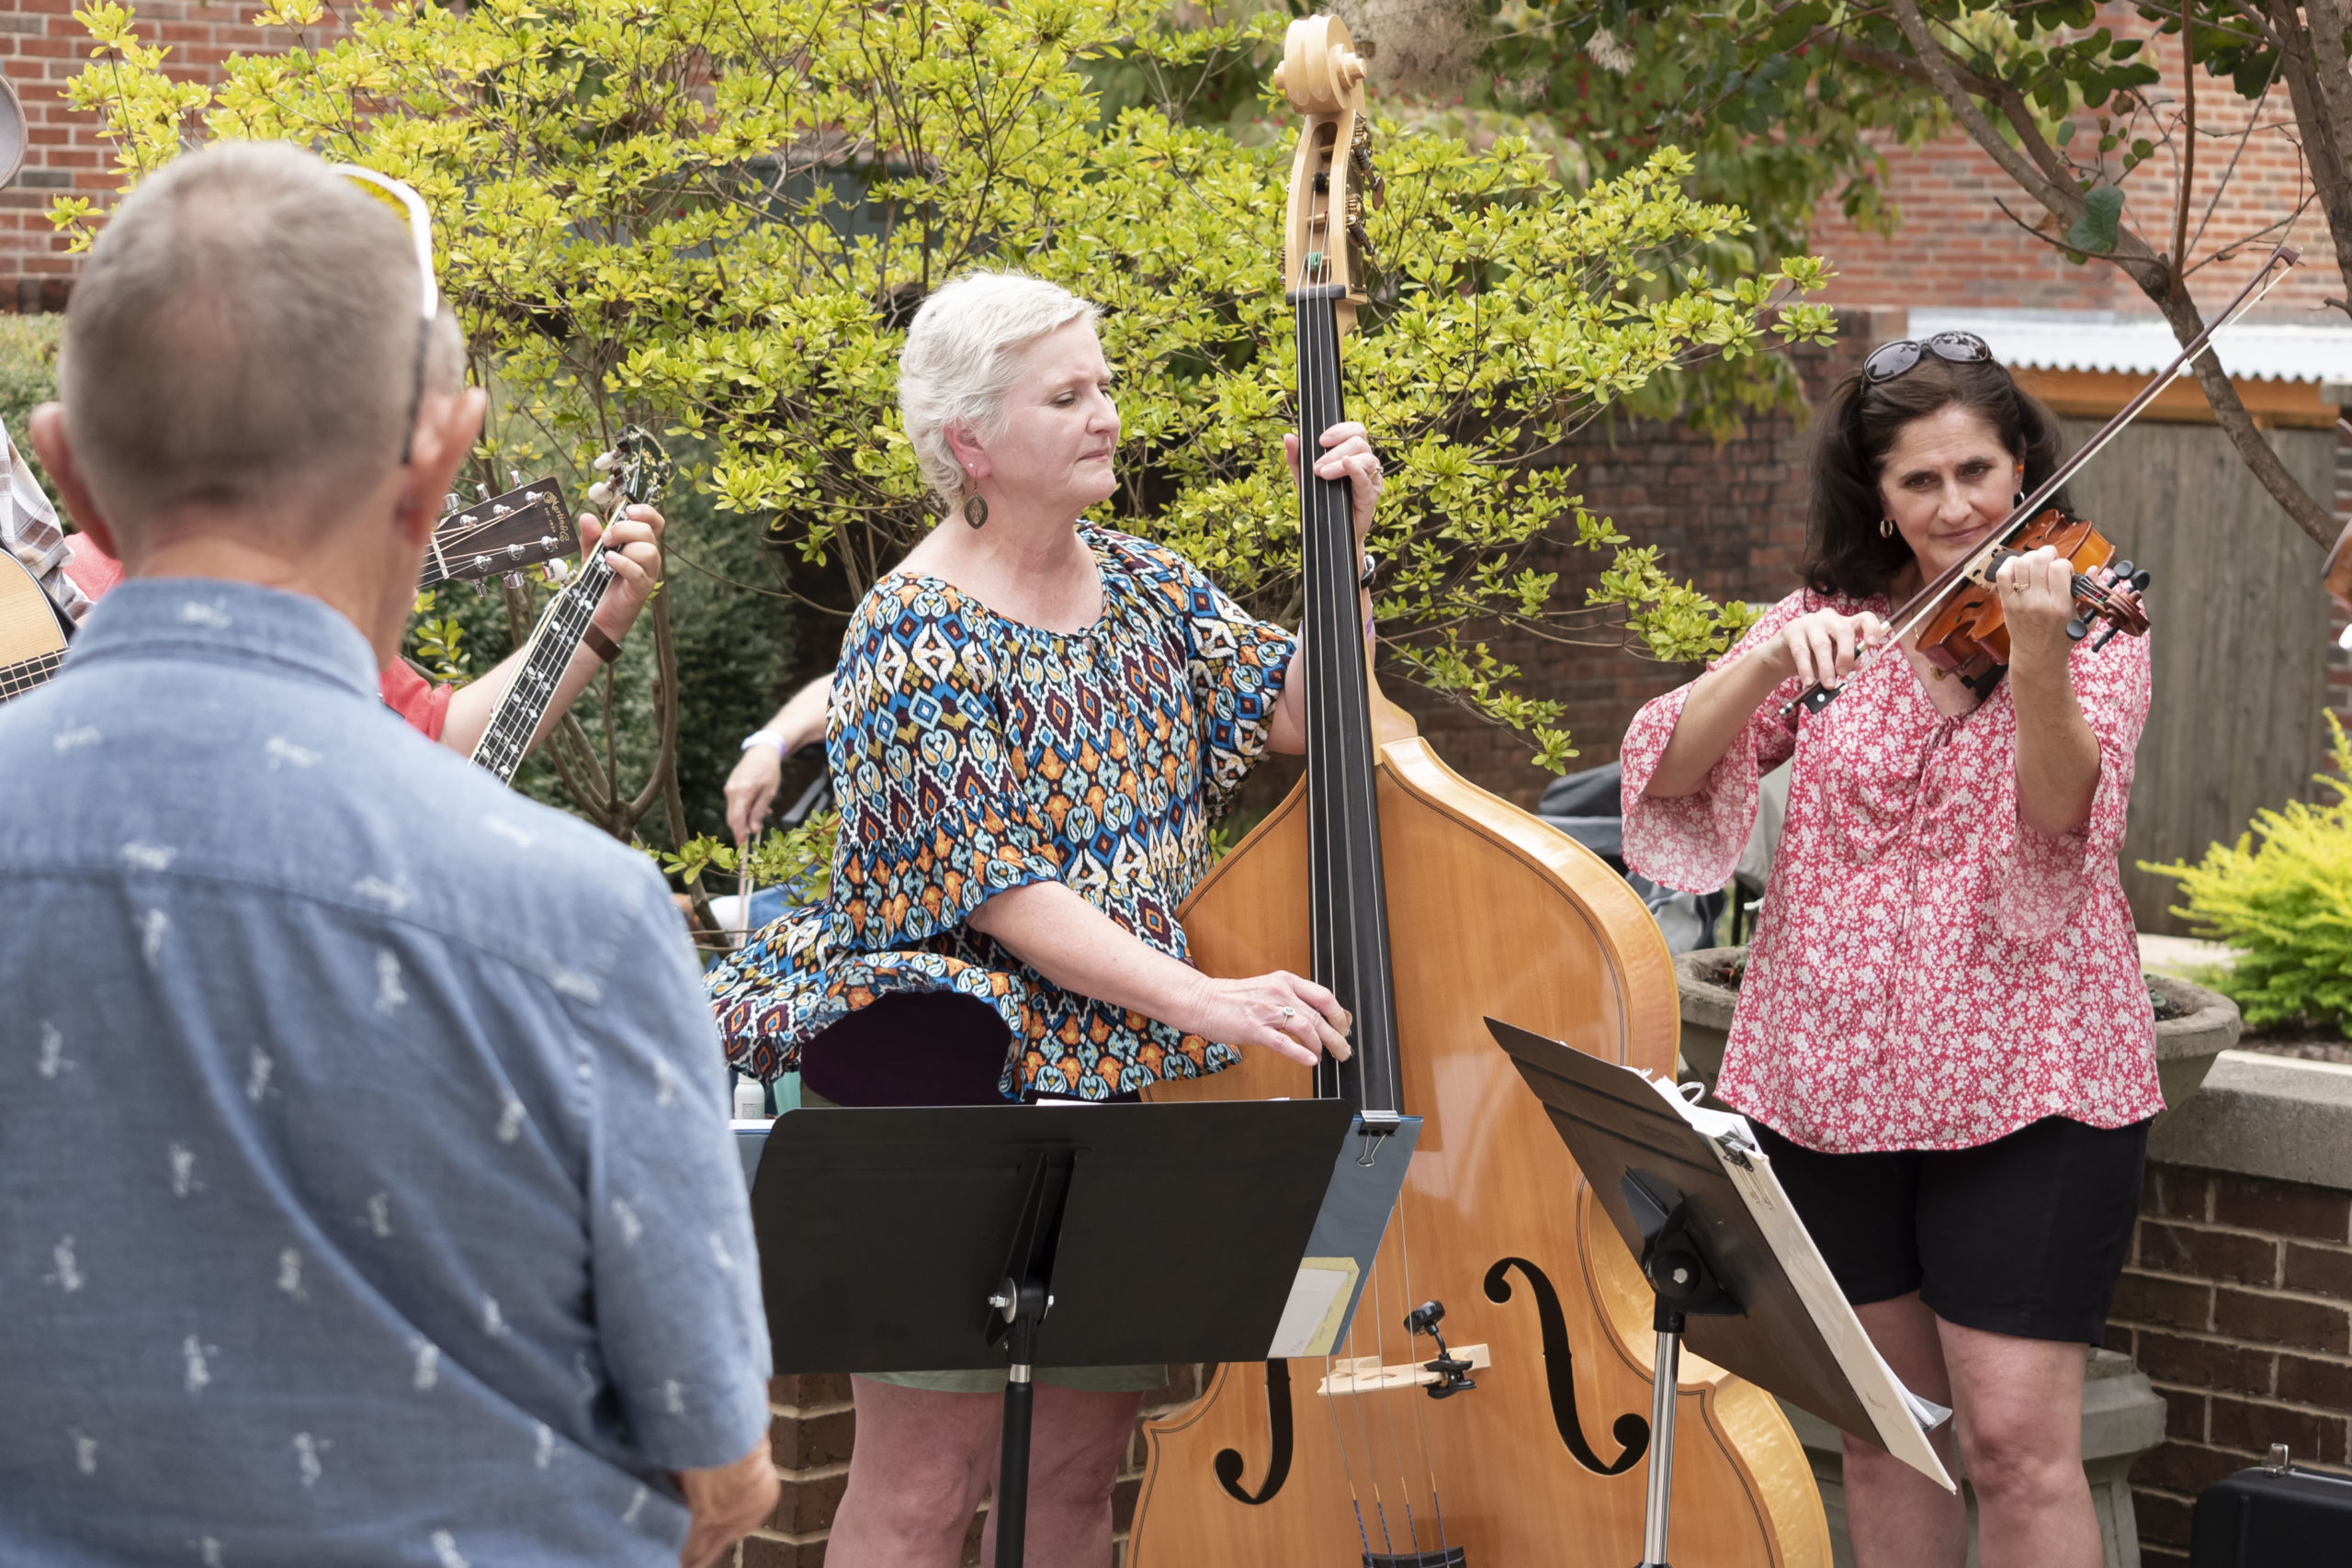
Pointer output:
2237, 1304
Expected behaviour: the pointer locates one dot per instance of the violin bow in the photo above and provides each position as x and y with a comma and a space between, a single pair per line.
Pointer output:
1922, 605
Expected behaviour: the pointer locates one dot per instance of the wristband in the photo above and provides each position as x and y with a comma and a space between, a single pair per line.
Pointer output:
600, 645
763, 738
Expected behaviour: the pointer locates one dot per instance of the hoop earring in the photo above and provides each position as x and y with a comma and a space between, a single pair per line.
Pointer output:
1886, 527
975, 510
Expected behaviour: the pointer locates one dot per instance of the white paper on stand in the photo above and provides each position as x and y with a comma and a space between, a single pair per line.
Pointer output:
1902, 1419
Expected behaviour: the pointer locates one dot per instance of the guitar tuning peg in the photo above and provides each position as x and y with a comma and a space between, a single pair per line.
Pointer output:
451, 501
513, 579
600, 492
513, 477
482, 589
604, 462
557, 569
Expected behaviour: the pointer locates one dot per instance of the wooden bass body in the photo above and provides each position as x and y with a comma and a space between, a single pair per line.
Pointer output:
1490, 913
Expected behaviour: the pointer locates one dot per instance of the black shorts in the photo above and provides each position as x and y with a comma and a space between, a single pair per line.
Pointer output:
2024, 1236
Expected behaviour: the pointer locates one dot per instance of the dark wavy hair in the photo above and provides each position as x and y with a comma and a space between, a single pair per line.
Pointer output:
1844, 552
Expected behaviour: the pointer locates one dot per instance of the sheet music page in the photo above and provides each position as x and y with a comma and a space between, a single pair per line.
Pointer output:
1903, 1418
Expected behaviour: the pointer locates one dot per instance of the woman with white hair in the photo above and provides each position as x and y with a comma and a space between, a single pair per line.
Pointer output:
1033, 725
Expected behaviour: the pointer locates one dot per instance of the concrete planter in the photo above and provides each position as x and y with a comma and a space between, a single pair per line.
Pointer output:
2205, 1024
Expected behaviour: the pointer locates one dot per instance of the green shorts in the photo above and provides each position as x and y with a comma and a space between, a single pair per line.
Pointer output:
991, 1379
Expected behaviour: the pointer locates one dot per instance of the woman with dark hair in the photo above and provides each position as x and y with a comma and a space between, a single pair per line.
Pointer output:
1942, 1038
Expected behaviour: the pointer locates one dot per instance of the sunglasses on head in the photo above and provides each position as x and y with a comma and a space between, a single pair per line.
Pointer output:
399, 195
1889, 360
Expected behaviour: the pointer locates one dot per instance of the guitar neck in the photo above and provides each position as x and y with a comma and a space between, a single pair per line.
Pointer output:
523, 707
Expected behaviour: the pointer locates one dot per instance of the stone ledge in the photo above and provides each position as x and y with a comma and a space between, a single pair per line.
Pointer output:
2270, 1116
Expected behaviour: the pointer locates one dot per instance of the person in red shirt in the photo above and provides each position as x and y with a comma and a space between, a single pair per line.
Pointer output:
457, 715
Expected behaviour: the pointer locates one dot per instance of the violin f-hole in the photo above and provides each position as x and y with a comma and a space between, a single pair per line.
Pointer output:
1228, 1462
1632, 1431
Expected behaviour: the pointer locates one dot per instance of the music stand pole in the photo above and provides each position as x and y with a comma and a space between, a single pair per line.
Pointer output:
1023, 1308
1666, 1374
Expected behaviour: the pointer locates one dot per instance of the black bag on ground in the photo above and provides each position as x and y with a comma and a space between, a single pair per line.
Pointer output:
2273, 1515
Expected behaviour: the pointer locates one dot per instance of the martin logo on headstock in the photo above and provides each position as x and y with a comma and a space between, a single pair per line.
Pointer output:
525, 527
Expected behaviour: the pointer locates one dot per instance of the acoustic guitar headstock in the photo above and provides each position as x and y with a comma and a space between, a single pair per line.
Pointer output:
1332, 182
525, 527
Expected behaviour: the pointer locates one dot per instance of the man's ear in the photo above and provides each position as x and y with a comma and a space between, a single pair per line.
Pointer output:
446, 429
55, 450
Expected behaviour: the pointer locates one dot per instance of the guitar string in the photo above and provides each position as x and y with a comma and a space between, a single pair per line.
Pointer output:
502, 748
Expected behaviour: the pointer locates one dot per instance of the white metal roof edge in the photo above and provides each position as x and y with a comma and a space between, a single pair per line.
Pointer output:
2102, 340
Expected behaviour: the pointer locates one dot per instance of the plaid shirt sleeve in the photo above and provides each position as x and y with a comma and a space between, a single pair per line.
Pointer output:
28, 531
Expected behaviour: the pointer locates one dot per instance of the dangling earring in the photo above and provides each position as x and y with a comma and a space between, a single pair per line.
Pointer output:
1886, 527
975, 510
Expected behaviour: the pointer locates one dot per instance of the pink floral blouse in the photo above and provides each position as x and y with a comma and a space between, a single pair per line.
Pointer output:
1929, 972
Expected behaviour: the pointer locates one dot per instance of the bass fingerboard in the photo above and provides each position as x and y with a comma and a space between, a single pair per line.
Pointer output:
555, 639
17, 678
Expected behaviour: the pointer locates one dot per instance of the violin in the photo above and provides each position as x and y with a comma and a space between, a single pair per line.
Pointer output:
1958, 616
1969, 636
1424, 903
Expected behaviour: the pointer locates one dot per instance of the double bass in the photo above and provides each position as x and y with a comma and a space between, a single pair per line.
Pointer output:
1425, 904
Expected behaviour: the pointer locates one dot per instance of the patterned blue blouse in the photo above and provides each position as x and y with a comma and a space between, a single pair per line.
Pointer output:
972, 754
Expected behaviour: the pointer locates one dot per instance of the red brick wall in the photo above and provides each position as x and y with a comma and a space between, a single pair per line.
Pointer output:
42, 47
2237, 1303
1957, 248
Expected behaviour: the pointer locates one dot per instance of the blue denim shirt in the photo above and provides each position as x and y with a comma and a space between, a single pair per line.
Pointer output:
366, 1191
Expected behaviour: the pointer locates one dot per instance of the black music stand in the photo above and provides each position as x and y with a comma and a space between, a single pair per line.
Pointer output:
1732, 1269
1079, 1235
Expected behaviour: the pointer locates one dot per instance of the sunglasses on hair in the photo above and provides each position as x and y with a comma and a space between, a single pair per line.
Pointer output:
398, 194
1889, 360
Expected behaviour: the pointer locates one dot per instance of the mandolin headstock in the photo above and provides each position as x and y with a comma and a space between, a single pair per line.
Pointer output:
1332, 182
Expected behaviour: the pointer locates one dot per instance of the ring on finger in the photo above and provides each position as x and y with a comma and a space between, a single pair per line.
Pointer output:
1289, 1013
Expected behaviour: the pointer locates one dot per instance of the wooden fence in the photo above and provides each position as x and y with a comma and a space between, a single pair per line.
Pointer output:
2240, 638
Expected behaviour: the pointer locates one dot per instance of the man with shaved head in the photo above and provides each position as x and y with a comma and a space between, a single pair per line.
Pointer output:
366, 1194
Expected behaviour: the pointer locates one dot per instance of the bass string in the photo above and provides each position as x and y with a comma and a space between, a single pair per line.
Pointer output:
1321, 756
1326, 511
1358, 821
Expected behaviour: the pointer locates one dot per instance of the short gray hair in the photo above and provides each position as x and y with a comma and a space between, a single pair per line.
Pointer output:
245, 338
959, 363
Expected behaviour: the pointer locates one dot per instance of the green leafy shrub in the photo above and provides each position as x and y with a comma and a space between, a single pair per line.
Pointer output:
715, 220
27, 377
2285, 903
